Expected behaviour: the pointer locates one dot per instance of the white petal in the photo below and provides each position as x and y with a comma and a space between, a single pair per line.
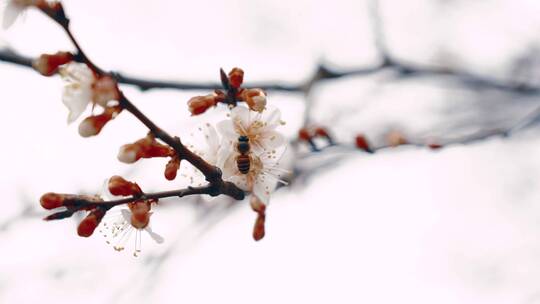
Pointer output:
240, 180
264, 186
227, 162
76, 102
271, 140
156, 237
241, 118
78, 90
223, 153
227, 130
272, 119
212, 138
126, 214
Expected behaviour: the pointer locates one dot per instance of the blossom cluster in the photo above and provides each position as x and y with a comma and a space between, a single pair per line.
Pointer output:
242, 154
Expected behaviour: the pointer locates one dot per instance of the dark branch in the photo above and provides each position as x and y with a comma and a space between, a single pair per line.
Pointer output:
322, 73
213, 174
84, 203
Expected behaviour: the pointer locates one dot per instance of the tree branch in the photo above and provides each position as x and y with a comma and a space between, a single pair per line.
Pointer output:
213, 174
89, 203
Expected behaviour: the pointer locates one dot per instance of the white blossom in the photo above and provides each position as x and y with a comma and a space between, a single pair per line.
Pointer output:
118, 230
265, 143
117, 227
78, 89
83, 88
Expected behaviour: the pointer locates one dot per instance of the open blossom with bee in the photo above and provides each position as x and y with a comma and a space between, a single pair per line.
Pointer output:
253, 148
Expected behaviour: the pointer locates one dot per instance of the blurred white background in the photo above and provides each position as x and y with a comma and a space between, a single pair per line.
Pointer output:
405, 225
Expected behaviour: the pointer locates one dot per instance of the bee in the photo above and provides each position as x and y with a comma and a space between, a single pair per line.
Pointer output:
243, 161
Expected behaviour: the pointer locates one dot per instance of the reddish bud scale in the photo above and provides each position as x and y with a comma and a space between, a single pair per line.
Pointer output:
254, 98
236, 77
362, 143
171, 169
258, 228
304, 134
434, 146
119, 186
90, 222
52, 200
199, 104
48, 64
93, 125
156, 149
321, 132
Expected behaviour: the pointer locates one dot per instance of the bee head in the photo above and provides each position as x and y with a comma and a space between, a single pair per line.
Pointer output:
243, 138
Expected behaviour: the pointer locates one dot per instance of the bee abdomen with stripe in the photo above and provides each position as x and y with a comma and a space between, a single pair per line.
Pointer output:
243, 161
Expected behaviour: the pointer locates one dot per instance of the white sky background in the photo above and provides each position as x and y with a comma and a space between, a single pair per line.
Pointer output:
402, 226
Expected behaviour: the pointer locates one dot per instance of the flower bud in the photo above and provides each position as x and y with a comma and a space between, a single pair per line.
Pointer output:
52, 200
147, 147
155, 149
47, 65
129, 154
92, 125
362, 143
105, 89
90, 222
396, 138
258, 228
199, 104
254, 98
304, 134
119, 186
321, 132
434, 146
172, 167
236, 77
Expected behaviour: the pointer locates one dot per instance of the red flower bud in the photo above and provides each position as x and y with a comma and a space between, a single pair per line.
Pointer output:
146, 147
90, 222
362, 143
52, 200
321, 132
129, 153
199, 104
119, 186
48, 64
236, 77
172, 167
304, 134
258, 228
434, 146
92, 125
